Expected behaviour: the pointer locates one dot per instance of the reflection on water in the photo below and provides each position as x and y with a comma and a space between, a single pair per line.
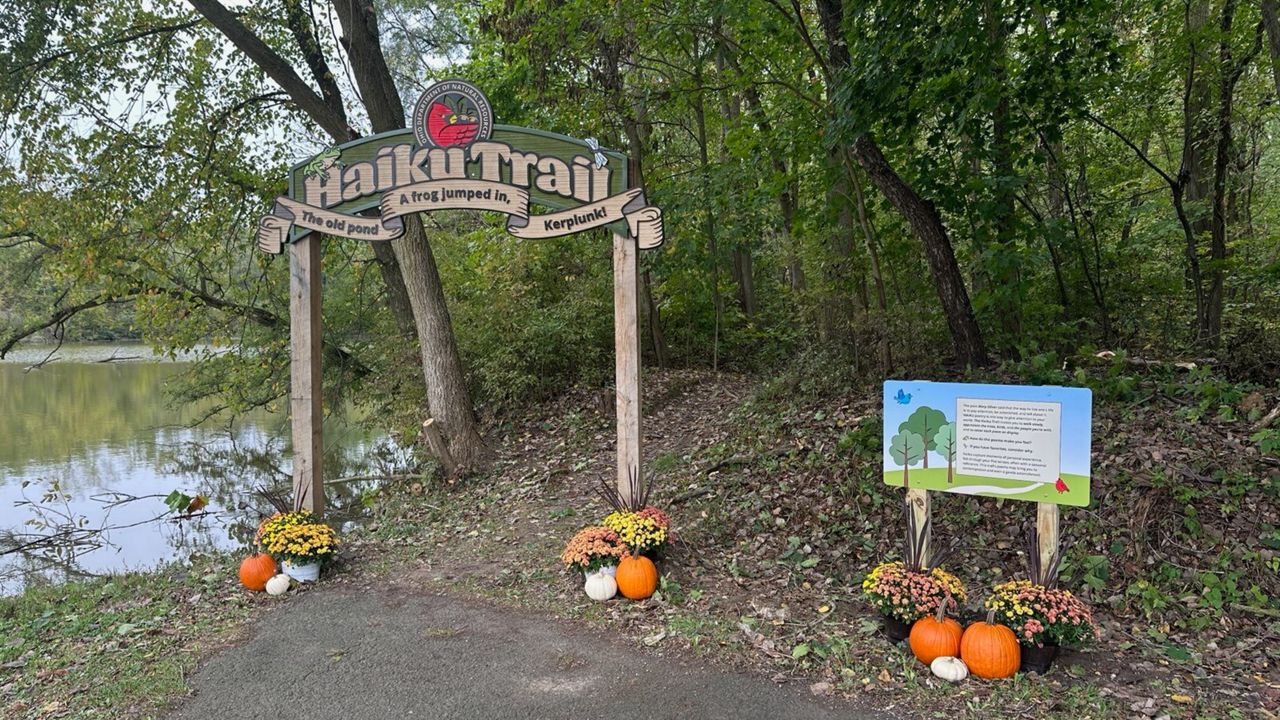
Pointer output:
102, 433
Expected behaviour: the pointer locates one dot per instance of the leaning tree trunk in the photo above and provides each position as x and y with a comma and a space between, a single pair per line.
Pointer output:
966, 337
421, 291
1198, 141
1271, 20
450, 404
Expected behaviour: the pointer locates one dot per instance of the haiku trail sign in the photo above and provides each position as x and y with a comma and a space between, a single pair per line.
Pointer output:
455, 158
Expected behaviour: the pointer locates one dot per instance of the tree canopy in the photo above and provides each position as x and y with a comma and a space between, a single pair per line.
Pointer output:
899, 185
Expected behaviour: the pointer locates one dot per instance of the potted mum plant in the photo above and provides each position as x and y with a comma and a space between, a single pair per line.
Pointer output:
643, 529
594, 549
299, 541
916, 587
1044, 617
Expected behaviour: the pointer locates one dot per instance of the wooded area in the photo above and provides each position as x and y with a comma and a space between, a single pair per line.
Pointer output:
885, 188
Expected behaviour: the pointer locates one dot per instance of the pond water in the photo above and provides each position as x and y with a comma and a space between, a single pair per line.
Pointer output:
90, 446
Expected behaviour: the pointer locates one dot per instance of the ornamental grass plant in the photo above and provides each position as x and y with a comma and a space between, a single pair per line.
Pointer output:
916, 586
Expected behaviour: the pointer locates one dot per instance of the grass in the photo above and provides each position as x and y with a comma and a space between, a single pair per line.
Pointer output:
935, 478
116, 647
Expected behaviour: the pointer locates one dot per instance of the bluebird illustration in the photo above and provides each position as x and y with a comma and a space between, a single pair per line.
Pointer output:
903, 397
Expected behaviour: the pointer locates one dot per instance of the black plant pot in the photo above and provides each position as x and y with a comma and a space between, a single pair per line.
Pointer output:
1038, 659
894, 629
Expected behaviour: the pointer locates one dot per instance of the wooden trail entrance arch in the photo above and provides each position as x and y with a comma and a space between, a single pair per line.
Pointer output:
454, 157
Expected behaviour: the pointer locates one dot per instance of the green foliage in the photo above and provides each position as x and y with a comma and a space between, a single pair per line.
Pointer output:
906, 448
925, 423
144, 146
944, 441
1268, 441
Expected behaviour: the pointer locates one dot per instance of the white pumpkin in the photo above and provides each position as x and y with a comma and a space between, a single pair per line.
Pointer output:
278, 585
601, 586
951, 669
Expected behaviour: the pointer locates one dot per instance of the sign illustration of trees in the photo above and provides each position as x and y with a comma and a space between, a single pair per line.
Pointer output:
925, 422
907, 449
944, 442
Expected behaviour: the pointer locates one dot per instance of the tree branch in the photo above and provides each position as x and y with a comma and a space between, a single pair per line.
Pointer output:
57, 317
309, 44
41, 63
277, 69
1136, 150
22, 238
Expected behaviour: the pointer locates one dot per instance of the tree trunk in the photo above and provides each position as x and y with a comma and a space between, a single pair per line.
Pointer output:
1008, 291
654, 321
1197, 156
966, 337
713, 245
1271, 20
1231, 71
447, 395
743, 275
787, 195
837, 315
397, 293
730, 112
873, 253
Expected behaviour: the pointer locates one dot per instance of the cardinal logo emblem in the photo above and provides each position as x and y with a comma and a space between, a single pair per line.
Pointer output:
452, 113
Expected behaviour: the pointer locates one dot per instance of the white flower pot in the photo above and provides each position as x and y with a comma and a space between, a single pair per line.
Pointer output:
309, 572
610, 570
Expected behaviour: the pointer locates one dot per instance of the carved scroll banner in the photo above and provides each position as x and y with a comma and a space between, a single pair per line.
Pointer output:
643, 220
273, 229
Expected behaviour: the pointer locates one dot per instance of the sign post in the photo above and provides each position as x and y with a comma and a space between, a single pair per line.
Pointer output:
626, 339
306, 406
455, 158
1008, 441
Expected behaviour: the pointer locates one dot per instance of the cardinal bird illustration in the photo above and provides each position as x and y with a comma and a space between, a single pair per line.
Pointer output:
450, 128
1061, 486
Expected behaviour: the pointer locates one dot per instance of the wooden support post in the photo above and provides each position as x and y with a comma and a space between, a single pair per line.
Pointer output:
919, 501
626, 341
306, 405
1047, 531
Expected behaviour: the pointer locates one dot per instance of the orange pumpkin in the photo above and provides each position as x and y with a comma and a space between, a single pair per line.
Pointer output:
935, 636
990, 650
256, 570
637, 577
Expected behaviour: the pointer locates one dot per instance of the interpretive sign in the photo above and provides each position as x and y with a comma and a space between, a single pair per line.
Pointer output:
1011, 441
